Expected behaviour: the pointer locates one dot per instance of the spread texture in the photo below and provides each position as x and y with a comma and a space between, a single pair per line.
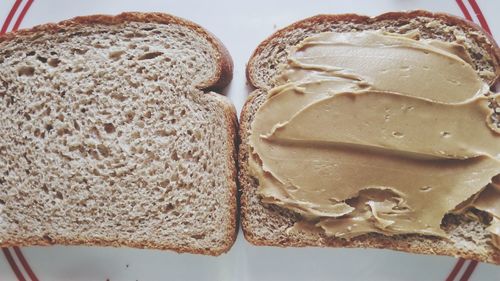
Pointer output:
375, 132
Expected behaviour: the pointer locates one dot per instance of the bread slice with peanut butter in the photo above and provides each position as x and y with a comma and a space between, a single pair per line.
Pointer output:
339, 150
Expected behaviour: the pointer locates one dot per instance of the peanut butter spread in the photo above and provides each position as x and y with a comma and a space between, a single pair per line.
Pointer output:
376, 132
488, 201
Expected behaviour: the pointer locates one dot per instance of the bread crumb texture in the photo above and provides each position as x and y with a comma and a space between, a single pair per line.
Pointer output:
105, 139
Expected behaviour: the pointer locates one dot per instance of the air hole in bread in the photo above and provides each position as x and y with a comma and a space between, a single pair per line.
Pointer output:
42, 59
63, 131
54, 62
174, 156
76, 125
164, 183
129, 116
165, 133
198, 236
135, 34
109, 128
103, 150
99, 45
26, 71
167, 208
78, 51
150, 55
59, 195
115, 55
37, 133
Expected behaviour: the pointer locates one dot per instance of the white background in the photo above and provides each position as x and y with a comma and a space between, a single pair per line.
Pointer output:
241, 25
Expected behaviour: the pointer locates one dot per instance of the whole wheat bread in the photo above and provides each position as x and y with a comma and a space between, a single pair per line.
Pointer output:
267, 224
110, 136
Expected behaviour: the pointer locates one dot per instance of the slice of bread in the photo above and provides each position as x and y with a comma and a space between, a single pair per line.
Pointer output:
111, 136
268, 224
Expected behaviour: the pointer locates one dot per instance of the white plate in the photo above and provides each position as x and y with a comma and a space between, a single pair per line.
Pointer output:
241, 26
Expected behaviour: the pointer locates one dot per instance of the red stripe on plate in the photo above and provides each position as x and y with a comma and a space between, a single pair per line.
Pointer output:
25, 264
13, 264
468, 271
455, 270
22, 14
12, 12
462, 7
479, 14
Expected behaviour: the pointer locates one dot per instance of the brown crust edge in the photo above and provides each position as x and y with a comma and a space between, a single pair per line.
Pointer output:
224, 70
492, 48
37, 241
243, 151
231, 120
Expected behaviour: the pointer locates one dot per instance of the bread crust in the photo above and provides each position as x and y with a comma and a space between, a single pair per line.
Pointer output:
409, 243
491, 47
224, 70
37, 241
232, 175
